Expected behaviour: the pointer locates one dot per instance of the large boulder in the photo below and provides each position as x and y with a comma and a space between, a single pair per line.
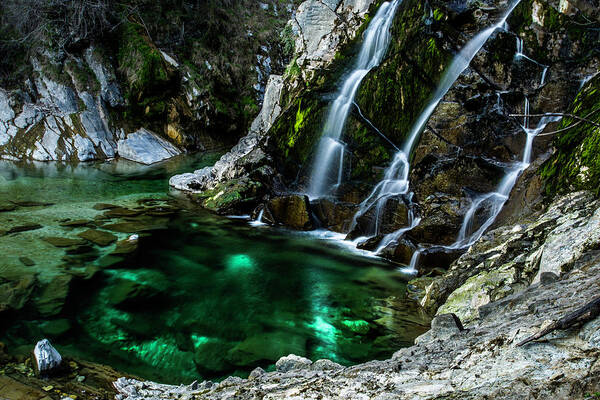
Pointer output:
292, 211
47, 358
146, 147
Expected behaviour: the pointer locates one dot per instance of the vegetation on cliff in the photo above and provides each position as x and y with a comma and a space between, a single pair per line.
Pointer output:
576, 163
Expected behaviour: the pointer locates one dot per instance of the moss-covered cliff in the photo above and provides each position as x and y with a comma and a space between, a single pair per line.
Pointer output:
576, 163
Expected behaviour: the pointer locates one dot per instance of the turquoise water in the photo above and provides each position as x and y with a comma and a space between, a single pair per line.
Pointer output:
200, 296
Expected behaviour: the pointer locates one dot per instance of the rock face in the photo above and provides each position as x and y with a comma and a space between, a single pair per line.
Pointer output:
482, 361
46, 357
320, 30
321, 26
232, 164
89, 103
508, 259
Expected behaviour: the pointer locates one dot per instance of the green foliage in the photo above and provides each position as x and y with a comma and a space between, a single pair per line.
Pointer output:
288, 42
576, 163
293, 69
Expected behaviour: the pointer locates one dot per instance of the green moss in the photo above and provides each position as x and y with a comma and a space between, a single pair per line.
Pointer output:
141, 62
393, 95
230, 194
576, 162
438, 14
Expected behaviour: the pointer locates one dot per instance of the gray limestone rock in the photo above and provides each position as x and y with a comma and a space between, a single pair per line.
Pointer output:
46, 357
146, 147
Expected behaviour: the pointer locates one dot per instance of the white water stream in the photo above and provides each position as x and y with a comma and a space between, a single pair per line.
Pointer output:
328, 167
395, 181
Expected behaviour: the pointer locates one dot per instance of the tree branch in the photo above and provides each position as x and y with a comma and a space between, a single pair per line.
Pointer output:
580, 120
586, 313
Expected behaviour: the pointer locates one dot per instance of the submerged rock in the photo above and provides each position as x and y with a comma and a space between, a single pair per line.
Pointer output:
24, 228
101, 238
63, 241
47, 359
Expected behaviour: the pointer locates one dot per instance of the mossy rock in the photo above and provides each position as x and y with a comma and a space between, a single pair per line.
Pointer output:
576, 163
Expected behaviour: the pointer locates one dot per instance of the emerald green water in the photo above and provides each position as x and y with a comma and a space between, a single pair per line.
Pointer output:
202, 296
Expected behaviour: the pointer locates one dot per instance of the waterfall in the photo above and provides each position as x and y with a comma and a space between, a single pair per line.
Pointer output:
497, 199
259, 221
327, 171
395, 181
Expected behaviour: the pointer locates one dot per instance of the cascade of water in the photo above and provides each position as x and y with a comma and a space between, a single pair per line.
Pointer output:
543, 80
259, 221
413, 265
496, 200
519, 52
395, 181
327, 173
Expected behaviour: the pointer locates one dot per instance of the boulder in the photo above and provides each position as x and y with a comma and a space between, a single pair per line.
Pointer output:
63, 241
393, 215
292, 362
146, 147
335, 216
47, 359
292, 211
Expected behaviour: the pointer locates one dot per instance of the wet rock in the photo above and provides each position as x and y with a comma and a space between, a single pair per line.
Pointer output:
393, 216
119, 212
78, 223
24, 228
7, 207
437, 257
63, 241
400, 250
292, 211
292, 362
441, 219
101, 238
32, 204
266, 347
14, 295
146, 147
360, 326
334, 216
127, 246
47, 359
